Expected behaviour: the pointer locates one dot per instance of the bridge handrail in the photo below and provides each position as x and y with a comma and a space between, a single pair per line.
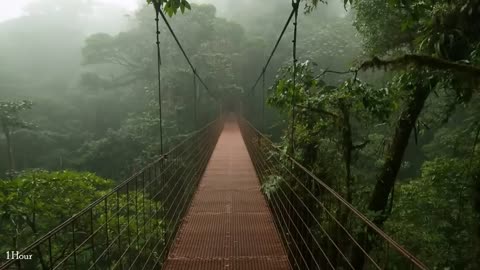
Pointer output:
337, 196
101, 199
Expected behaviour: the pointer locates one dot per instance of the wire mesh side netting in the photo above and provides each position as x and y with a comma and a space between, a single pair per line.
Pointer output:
320, 229
133, 225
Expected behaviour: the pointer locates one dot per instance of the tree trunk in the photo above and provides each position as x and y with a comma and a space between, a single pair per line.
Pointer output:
342, 239
347, 145
475, 173
393, 160
476, 201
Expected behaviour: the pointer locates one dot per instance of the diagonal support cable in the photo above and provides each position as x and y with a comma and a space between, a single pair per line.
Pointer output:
186, 56
273, 51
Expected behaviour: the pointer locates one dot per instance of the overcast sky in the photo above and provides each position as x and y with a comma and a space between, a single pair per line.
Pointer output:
13, 8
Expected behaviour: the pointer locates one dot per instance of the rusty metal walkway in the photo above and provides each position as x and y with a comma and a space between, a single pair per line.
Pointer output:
229, 225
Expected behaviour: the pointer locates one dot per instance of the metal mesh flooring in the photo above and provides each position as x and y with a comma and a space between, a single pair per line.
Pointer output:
229, 225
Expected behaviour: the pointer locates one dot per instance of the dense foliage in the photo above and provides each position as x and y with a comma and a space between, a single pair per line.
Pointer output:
400, 130
386, 106
35, 201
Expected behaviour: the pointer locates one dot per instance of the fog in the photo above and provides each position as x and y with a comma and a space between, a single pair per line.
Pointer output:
87, 88
376, 98
14, 9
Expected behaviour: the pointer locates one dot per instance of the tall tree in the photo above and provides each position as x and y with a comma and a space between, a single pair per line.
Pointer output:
10, 121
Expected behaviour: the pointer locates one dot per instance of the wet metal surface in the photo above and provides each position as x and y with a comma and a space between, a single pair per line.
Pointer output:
229, 225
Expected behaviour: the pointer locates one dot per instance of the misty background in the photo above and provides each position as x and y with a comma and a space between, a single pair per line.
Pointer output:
42, 51
79, 104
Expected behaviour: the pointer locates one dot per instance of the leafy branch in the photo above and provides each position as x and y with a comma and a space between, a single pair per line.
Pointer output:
170, 6
420, 61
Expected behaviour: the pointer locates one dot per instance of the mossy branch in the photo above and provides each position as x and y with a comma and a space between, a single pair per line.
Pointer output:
420, 61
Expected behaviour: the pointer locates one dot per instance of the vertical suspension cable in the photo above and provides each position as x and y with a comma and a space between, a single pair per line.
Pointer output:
159, 63
252, 106
263, 101
195, 125
295, 4
220, 108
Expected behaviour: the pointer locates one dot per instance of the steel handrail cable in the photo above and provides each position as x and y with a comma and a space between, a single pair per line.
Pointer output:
177, 216
331, 191
328, 212
151, 217
148, 259
294, 242
154, 246
136, 237
338, 223
205, 154
260, 171
318, 245
150, 182
298, 231
313, 216
92, 234
360, 215
186, 150
387, 238
67, 222
283, 234
158, 242
314, 238
184, 185
125, 228
85, 210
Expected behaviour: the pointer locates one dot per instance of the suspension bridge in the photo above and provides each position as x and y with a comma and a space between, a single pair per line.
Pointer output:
201, 205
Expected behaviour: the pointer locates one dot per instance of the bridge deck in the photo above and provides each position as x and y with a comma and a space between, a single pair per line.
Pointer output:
228, 225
